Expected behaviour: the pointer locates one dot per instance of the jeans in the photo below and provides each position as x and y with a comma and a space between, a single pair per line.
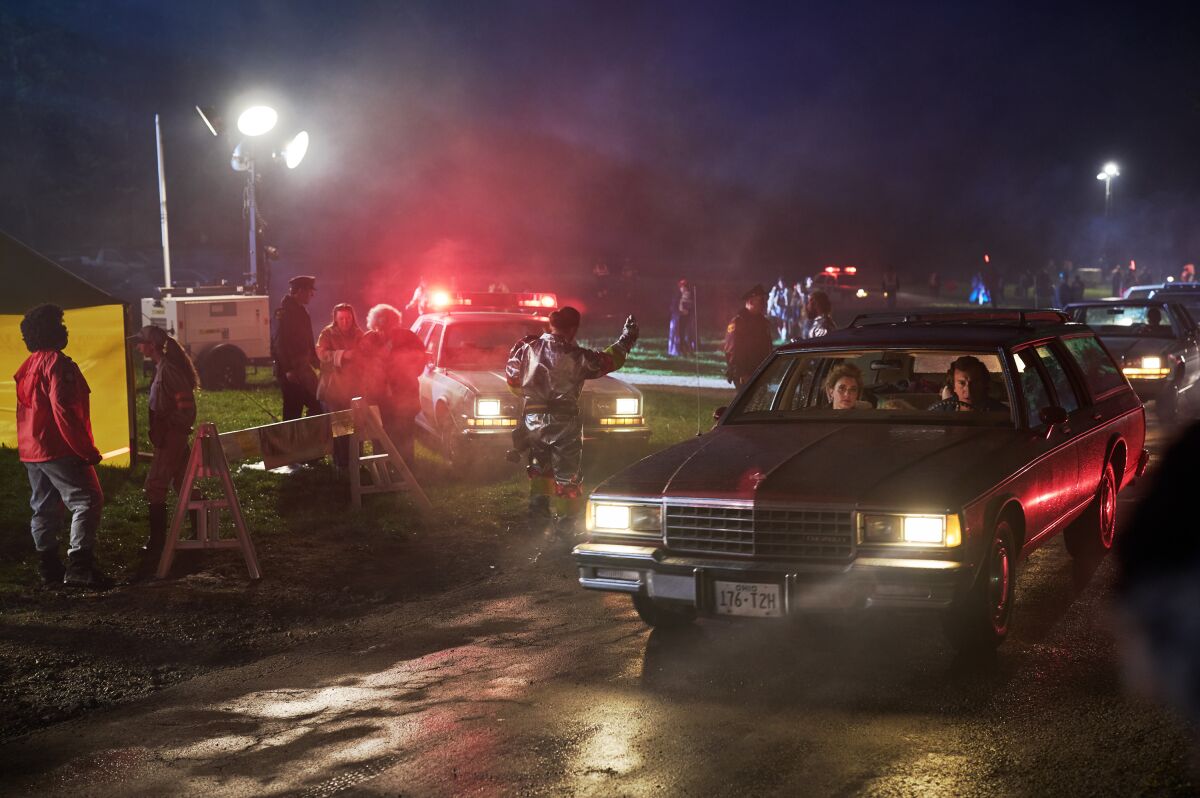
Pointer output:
66, 481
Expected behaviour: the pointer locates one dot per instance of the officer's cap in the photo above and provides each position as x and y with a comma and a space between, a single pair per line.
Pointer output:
566, 318
150, 334
302, 281
757, 290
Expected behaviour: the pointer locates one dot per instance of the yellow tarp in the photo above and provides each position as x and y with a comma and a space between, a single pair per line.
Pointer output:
97, 343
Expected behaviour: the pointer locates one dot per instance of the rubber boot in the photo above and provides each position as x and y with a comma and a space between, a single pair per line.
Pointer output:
82, 571
50, 567
152, 551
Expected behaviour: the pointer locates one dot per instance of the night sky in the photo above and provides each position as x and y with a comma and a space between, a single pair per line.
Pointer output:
702, 138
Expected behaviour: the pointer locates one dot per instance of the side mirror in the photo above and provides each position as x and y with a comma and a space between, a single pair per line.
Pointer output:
720, 411
1052, 415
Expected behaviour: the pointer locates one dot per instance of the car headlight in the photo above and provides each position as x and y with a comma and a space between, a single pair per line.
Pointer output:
627, 406
861, 293
1150, 366
911, 529
1151, 362
487, 408
625, 519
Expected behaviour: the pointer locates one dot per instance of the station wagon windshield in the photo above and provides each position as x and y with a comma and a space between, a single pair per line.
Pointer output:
868, 385
483, 345
1149, 321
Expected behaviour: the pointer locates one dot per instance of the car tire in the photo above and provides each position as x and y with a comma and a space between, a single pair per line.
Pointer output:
1092, 533
661, 616
452, 446
222, 368
980, 619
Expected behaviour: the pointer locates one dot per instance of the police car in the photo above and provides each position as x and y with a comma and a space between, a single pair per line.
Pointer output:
840, 282
467, 410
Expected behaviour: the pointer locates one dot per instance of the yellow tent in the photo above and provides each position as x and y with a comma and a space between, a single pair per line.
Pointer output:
96, 325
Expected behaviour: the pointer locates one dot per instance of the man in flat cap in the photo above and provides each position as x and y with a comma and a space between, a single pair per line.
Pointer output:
294, 351
549, 371
748, 338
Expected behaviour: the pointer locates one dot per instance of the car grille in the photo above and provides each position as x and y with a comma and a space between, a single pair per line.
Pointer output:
770, 533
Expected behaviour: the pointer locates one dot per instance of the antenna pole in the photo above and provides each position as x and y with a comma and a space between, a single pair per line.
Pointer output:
696, 348
162, 206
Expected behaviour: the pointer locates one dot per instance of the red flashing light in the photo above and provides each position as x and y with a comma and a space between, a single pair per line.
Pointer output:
986, 259
851, 270
831, 269
439, 299
548, 301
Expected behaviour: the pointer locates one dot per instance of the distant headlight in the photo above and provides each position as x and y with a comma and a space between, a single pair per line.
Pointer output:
912, 530
487, 408
861, 293
627, 406
1152, 362
624, 519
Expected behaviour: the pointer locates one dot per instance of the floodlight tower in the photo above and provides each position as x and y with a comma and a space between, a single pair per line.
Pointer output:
1107, 174
255, 122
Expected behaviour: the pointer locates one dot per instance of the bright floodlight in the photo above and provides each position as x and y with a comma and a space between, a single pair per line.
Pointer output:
294, 150
257, 120
1111, 169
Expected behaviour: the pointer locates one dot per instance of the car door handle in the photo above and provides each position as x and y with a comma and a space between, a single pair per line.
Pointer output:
1097, 416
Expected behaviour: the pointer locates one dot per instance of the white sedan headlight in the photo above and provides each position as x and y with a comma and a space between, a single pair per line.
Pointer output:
1152, 362
487, 408
627, 406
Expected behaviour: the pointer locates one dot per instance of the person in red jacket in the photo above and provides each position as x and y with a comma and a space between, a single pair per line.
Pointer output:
54, 441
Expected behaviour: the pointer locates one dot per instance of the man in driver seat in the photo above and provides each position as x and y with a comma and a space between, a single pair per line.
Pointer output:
968, 381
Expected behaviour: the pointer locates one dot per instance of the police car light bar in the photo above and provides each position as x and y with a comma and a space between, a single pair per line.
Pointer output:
490, 300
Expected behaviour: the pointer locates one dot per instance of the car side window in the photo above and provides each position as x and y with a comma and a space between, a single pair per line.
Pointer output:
766, 387
434, 341
1033, 386
1067, 398
1099, 371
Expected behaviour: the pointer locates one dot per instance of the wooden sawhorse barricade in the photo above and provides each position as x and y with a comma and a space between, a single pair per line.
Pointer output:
385, 470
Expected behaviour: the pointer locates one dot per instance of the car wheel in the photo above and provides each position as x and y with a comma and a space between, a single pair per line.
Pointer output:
223, 367
661, 616
979, 620
1093, 532
1166, 407
451, 446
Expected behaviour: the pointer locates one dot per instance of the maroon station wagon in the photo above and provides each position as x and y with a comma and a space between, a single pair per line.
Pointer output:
903, 500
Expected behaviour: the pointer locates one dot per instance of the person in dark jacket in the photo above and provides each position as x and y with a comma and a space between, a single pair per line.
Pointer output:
294, 350
54, 441
748, 338
820, 310
549, 372
172, 411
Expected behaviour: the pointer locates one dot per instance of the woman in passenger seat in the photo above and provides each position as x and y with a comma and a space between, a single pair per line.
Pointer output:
844, 386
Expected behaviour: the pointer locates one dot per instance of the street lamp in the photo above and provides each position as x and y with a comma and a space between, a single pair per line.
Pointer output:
1107, 174
254, 122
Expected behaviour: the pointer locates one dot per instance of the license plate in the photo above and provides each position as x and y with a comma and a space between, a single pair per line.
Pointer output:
747, 598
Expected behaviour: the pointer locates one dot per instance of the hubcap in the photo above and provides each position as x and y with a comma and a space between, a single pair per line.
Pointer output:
998, 576
1108, 511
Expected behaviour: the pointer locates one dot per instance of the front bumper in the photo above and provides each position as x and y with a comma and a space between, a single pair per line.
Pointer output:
864, 583
1150, 389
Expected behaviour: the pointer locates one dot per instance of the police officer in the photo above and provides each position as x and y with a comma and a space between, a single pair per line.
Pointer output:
294, 351
748, 338
549, 372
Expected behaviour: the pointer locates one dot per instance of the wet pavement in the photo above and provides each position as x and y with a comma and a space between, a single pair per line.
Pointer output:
527, 684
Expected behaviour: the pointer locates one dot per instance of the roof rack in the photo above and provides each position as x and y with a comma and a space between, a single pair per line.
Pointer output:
1018, 317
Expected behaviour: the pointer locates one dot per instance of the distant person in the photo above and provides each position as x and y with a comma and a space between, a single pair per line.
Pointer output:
1062, 291
392, 358
681, 334
1188, 273
1117, 277
1078, 289
777, 303
419, 304
337, 346
797, 299
891, 287
968, 381
498, 287
935, 285
748, 338
1042, 290
295, 352
54, 441
172, 415
820, 311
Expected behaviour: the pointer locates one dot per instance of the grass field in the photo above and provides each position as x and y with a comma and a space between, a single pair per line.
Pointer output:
309, 507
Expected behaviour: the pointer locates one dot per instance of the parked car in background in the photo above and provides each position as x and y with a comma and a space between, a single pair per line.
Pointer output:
787, 506
467, 409
1156, 343
840, 282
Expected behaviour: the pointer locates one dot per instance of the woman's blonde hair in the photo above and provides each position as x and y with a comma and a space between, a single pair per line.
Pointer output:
841, 371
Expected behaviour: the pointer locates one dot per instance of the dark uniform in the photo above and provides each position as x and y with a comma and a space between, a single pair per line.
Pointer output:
295, 352
549, 371
748, 341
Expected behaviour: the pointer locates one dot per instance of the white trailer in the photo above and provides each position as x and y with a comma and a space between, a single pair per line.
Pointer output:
223, 333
